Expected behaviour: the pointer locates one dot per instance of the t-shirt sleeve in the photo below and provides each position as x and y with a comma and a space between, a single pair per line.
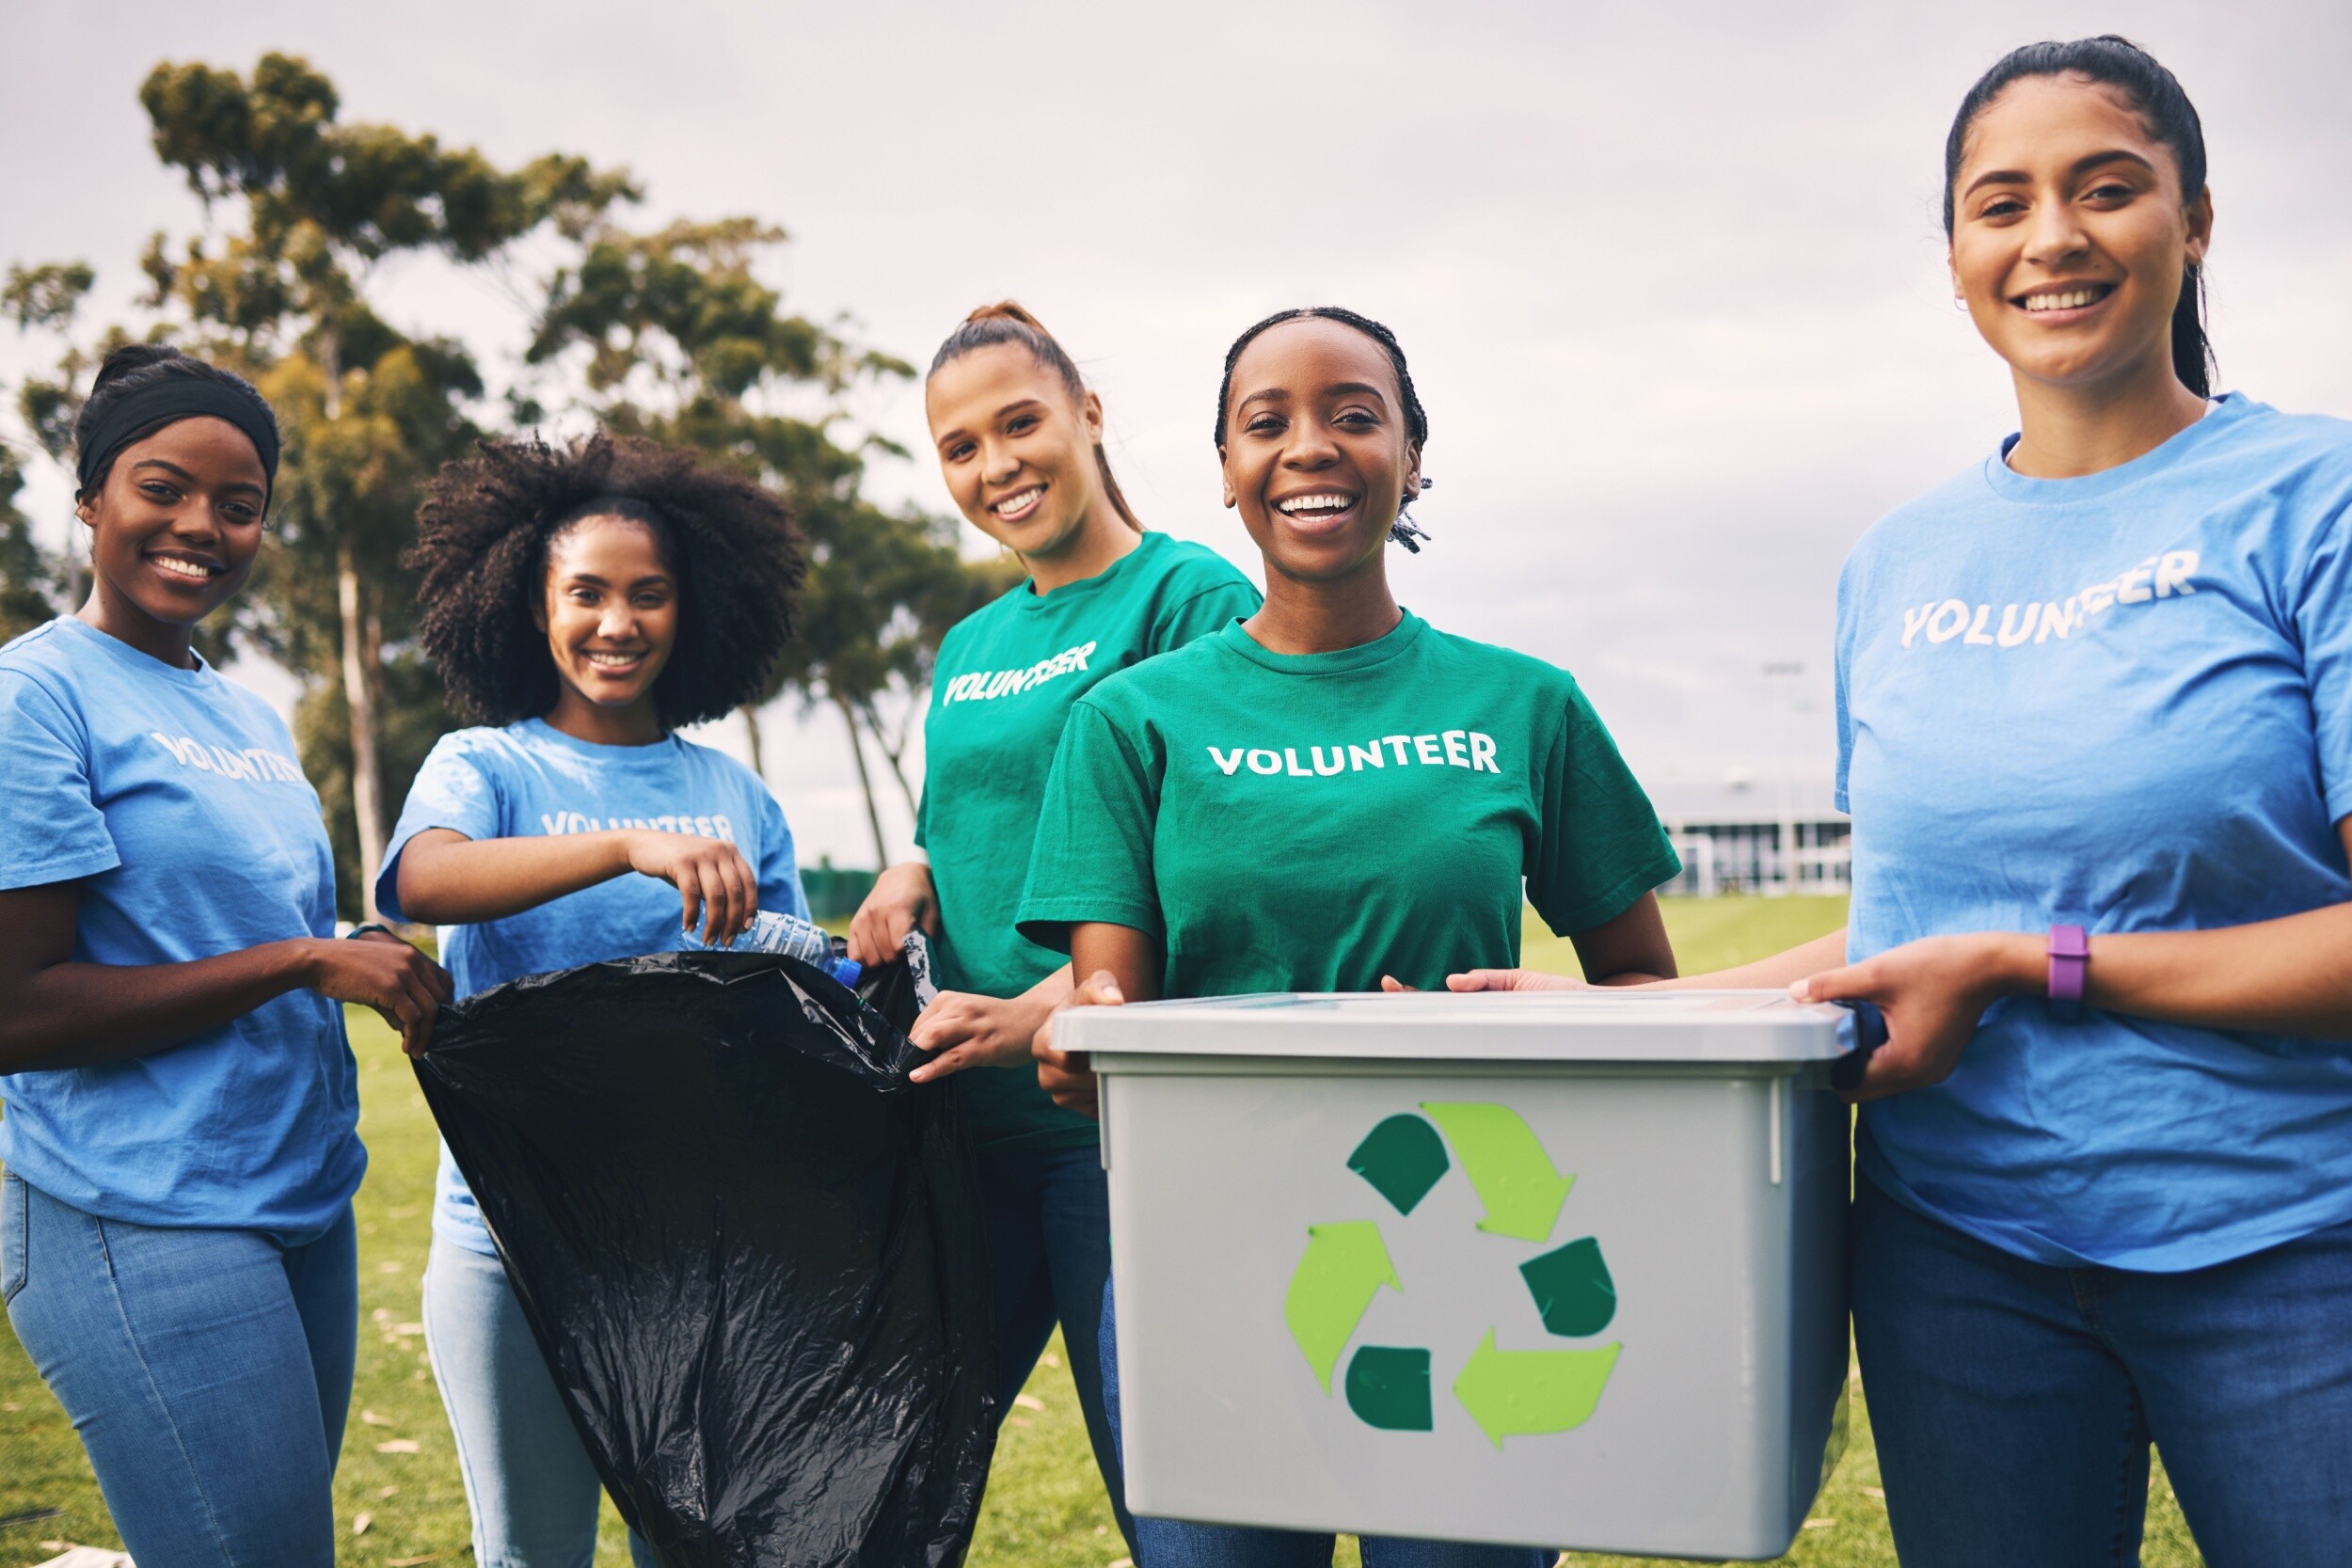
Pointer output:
780, 890
1203, 614
454, 791
2323, 622
1601, 846
56, 831
1091, 858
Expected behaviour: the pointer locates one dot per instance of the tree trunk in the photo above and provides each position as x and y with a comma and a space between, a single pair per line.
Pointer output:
359, 686
866, 783
751, 731
891, 755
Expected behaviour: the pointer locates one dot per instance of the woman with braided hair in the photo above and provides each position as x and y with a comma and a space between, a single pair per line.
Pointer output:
1333, 793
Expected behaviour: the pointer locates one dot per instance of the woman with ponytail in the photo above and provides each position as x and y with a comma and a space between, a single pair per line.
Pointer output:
1020, 443
176, 1242
2095, 733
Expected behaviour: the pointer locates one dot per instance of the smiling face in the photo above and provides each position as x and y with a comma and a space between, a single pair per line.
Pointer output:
2070, 233
1017, 450
609, 611
1318, 457
174, 529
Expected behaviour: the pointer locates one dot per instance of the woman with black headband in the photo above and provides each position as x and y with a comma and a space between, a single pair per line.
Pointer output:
176, 1239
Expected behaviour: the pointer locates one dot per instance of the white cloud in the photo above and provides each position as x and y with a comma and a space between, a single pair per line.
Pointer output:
1671, 278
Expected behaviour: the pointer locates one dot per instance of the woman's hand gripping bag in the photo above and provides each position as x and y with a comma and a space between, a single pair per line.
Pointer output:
748, 1247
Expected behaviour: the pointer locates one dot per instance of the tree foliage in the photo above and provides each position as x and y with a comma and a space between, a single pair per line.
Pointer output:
31, 590
368, 412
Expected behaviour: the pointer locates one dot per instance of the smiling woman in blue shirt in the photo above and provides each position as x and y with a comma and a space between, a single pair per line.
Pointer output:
176, 1239
2095, 695
584, 602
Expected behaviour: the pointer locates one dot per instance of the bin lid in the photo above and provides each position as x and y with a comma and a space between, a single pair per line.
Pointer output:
1598, 1025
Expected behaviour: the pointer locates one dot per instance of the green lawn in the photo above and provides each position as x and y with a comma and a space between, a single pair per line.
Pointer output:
398, 1497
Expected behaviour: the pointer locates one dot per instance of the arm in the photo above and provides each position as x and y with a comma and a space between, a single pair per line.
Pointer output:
450, 879
58, 1013
1771, 974
1119, 962
901, 898
1631, 950
2287, 977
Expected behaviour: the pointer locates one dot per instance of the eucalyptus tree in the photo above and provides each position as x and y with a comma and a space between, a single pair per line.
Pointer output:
314, 206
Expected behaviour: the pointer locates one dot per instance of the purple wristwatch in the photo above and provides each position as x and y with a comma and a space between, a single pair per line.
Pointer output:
2070, 958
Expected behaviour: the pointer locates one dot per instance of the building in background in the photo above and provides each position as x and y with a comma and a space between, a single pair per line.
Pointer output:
1745, 835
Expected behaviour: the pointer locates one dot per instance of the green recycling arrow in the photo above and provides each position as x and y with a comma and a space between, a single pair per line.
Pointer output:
1332, 1288
1522, 1393
1515, 1180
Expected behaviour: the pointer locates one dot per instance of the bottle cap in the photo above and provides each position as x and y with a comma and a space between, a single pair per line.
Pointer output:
847, 970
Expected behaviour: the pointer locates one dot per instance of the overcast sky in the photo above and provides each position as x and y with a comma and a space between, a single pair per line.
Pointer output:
1671, 278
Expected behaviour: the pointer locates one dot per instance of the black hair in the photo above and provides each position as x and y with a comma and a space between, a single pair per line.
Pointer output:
134, 367
483, 537
1403, 530
1008, 322
2156, 96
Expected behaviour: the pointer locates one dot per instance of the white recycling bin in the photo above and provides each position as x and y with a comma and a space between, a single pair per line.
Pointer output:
1554, 1269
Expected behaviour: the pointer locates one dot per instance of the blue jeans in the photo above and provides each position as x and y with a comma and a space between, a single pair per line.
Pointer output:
208, 1372
1049, 1251
528, 1480
1173, 1543
2014, 1403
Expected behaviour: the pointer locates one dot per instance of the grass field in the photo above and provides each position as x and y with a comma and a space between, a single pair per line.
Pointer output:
398, 1500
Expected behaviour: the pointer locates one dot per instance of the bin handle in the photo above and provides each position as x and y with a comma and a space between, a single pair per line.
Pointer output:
1870, 1033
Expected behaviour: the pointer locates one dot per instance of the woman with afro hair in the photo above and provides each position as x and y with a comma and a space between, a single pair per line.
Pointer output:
583, 603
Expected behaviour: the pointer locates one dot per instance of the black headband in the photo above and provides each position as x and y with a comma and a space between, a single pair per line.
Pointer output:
144, 410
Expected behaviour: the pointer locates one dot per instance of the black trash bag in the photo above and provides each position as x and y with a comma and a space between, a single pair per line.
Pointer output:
750, 1250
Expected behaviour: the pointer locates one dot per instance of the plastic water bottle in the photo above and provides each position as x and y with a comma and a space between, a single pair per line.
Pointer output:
795, 937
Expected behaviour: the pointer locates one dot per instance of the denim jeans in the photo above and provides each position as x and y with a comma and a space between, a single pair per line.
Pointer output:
528, 1480
1173, 1543
208, 1372
2013, 1403
1049, 1251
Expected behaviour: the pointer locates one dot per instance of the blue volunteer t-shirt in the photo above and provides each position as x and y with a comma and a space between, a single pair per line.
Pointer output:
173, 798
2122, 700
529, 779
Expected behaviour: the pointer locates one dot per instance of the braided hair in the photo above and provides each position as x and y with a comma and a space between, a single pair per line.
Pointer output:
1403, 530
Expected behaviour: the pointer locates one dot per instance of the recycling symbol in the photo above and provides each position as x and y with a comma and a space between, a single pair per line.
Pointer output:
1509, 1393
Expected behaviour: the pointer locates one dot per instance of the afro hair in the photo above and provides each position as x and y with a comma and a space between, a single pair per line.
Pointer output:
483, 533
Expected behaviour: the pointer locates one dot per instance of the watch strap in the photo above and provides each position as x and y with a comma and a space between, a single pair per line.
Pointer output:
2070, 962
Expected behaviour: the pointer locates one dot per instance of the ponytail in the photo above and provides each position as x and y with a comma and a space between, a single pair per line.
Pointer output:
2192, 354
1007, 322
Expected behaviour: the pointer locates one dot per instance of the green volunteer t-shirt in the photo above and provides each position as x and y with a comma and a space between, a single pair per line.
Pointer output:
1004, 682
1311, 822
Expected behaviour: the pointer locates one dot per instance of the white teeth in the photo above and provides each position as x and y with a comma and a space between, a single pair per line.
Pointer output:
614, 660
178, 568
1297, 504
1014, 503
2071, 300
